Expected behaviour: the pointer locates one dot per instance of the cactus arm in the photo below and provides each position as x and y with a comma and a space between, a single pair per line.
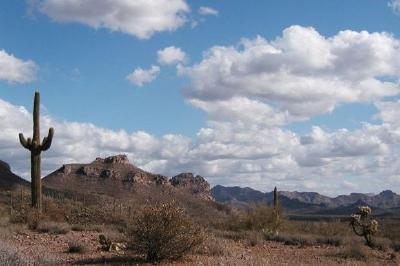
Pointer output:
47, 140
25, 143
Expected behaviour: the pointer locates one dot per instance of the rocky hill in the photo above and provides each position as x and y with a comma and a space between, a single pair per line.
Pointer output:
116, 176
9, 180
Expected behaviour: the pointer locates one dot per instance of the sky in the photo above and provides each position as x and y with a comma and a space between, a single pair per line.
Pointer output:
299, 94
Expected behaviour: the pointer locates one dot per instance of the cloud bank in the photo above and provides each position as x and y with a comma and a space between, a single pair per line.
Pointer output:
251, 93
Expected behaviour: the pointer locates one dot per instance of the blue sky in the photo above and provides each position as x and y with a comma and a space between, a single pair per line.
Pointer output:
82, 54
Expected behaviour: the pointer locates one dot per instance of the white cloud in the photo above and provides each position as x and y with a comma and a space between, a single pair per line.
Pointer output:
208, 11
389, 112
171, 55
224, 152
141, 76
251, 93
243, 111
15, 70
395, 6
302, 73
141, 18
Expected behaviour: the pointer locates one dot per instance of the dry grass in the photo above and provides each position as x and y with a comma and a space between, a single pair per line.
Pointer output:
11, 256
53, 228
213, 246
356, 251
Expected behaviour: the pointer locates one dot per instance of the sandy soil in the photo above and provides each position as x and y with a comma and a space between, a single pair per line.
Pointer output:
219, 252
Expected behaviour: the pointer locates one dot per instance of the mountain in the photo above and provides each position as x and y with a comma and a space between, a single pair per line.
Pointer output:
115, 176
9, 180
307, 201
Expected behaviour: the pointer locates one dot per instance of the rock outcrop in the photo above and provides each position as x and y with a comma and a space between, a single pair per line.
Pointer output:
115, 175
194, 184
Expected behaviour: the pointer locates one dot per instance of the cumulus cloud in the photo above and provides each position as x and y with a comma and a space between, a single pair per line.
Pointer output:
224, 152
208, 11
302, 72
141, 76
171, 55
395, 6
141, 18
252, 93
15, 70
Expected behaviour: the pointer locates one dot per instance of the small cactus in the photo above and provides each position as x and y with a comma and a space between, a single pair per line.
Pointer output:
363, 225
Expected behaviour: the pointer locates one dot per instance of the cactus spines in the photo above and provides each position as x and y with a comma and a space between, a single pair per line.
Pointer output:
33, 144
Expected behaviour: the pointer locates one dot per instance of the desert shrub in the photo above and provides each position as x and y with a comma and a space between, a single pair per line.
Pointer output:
293, 240
330, 240
382, 244
233, 235
318, 228
163, 231
10, 256
253, 238
75, 247
395, 246
53, 228
354, 251
212, 246
258, 217
78, 227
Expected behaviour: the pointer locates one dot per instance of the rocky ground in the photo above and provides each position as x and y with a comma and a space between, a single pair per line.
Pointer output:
215, 251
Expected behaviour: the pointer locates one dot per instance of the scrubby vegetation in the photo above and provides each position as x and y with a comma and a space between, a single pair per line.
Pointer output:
76, 247
156, 228
163, 231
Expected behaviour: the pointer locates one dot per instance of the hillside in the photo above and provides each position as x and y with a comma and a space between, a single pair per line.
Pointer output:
9, 180
115, 176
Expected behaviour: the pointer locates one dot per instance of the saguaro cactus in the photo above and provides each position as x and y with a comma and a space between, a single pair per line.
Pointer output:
36, 148
275, 198
276, 212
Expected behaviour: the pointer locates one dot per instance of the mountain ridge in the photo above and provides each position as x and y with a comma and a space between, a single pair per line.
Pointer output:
235, 195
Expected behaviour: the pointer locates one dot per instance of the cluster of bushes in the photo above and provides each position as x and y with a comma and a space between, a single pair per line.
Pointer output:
258, 217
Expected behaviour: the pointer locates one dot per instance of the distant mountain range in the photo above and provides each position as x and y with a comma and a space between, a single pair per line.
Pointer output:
310, 202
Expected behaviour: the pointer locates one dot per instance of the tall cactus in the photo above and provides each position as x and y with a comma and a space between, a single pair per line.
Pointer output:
36, 148
276, 212
275, 198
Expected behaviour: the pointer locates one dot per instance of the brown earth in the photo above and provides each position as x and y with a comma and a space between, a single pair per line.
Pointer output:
215, 251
